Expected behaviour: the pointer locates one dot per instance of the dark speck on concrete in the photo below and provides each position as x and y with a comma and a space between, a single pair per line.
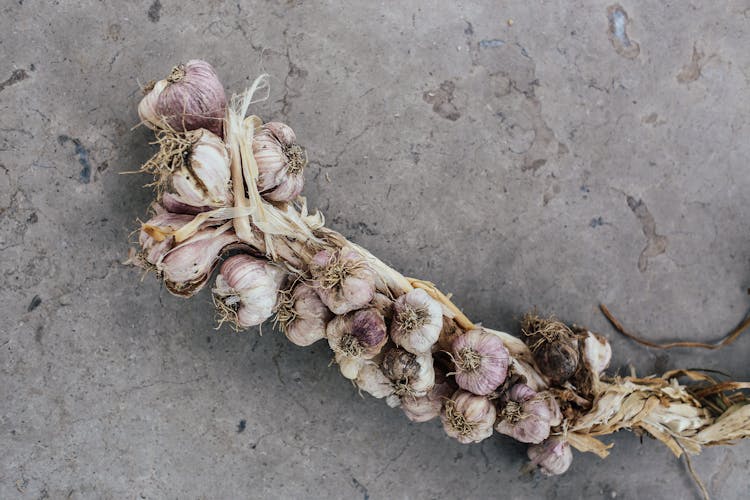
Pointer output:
154, 12
15, 77
35, 302
242, 425
83, 157
33, 218
495, 42
361, 488
469, 30
596, 222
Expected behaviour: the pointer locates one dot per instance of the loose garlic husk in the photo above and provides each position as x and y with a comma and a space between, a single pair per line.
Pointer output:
481, 361
553, 456
468, 417
246, 290
427, 407
597, 352
528, 416
280, 162
203, 177
187, 267
191, 97
417, 321
412, 375
302, 316
343, 280
154, 244
355, 338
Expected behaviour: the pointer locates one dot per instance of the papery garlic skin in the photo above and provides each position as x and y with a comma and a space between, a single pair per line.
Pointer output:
417, 321
412, 375
280, 162
304, 319
552, 456
372, 380
247, 289
528, 416
342, 279
204, 179
427, 407
356, 337
597, 352
468, 417
187, 267
191, 97
481, 361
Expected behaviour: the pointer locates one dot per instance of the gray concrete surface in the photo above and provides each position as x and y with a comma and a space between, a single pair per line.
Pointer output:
551, 163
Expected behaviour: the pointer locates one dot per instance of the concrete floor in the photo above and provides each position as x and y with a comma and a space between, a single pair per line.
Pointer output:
581, 153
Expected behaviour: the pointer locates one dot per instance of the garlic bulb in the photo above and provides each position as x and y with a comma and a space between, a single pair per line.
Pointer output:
191, 97
427, 407
154, 246
280, 162
202, 177
246, 290
343, 280
302, 315
528, 416
412, 375
554, 346
356, 337
417, 321
187, 267
468, 417
481, 361
372, 380
552, 456
597, 352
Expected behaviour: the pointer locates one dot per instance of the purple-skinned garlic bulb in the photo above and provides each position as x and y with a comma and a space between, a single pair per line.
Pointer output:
342, 279
191, 97
301, 315
481, 361
417, 321
528, 416
553, 456
280, 162
355, 338
187, 267
246, 290
468, 417
412, 375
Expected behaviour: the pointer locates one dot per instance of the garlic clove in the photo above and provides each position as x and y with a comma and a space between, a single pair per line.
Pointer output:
417, 321
173, 203
191, 97
552, 456
154, 242
343, 280
187, 267
280, 162
597, 352
481, 361
246, 290
204, 177
467, 417
302, 315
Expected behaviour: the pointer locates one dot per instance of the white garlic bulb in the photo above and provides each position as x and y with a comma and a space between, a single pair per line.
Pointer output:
427, 407
372, 380
280, 162
417, 321
246, 290
412, 375
342, 279
302, 315
468, 417
597, 352
203, 178
552, 456
481, 361
356, 337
